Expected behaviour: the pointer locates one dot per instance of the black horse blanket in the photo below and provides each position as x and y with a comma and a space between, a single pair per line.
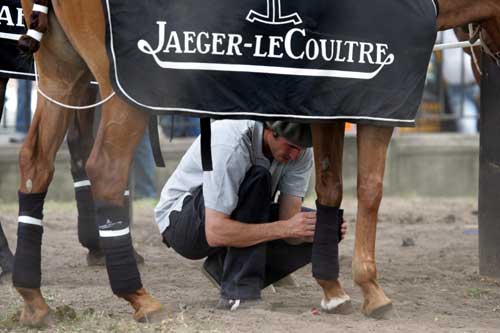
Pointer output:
12, 64
358, 60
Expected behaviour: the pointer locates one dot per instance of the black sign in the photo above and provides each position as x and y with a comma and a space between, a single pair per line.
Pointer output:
362, 60
12, 63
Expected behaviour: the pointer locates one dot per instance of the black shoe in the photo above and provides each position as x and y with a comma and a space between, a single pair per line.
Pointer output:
212, 269
241, 304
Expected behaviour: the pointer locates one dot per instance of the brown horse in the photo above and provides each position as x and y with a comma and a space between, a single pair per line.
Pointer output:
69, 56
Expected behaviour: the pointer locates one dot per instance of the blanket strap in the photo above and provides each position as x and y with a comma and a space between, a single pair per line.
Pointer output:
154, 140
206, 152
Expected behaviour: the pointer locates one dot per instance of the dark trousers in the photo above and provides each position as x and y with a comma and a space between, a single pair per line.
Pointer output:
241, 272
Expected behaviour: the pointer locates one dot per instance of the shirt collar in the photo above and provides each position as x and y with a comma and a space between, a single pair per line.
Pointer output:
257, 138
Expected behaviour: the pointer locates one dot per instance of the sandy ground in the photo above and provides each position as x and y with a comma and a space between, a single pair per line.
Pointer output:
434, 284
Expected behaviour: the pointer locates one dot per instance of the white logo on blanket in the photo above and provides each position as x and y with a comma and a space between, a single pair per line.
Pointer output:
10, 17
327, 50
273, 15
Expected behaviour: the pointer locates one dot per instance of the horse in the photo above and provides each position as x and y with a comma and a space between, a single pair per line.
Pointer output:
69, 56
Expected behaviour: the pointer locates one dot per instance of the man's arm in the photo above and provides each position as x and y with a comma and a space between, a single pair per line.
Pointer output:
221, 230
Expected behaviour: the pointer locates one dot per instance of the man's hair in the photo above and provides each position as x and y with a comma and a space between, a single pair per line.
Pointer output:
298, 134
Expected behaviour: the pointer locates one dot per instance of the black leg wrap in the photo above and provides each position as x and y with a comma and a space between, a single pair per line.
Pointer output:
116, 243
88, 234
27, 260
325, 251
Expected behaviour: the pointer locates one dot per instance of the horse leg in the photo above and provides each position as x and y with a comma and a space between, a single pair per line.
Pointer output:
36, 167
372, 145
64, 77
80, 140
328, 142
121, 129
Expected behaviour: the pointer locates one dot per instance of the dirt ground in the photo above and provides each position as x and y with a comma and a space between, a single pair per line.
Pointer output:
433, 283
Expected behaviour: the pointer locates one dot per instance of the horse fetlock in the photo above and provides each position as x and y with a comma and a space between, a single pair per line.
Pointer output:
146, 307
376, 303
335, 299
332, 289
364, 272
35, 312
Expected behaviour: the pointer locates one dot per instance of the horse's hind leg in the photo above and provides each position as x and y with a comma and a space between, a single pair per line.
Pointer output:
121, 129
80, 141
328, 140
372, 150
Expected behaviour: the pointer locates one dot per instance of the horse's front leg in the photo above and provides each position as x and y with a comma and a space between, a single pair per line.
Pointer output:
120, 130
328, 141
372, 150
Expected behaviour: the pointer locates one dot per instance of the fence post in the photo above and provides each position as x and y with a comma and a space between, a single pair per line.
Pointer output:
489, 171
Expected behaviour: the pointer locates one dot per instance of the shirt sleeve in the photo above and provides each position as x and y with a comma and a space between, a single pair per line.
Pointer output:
221, 185
295, 180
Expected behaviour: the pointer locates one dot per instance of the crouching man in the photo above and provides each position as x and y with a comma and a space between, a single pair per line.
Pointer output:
228, 215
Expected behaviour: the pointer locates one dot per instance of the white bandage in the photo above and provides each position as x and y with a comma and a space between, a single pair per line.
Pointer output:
82, 183
34, 34
29, 220
40, 8
114, 233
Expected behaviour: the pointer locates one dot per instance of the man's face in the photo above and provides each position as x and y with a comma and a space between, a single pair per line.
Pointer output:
283, 150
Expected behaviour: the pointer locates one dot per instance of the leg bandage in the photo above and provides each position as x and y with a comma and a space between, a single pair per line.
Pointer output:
88, 234
27, 260
116, 243
325, 251
39, 22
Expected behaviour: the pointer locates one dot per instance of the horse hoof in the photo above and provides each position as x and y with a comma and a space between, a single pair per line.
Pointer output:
36, 317
35, 312
337, 305
147, 308
151, 316
379, 312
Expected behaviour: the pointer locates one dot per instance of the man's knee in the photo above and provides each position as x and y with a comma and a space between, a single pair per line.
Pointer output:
189, 250
254, 197
257, 177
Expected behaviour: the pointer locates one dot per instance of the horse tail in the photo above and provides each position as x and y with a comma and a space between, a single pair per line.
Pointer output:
30, 42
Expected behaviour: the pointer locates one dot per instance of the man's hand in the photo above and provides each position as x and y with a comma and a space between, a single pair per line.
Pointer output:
310, 239
301, 225
343, 229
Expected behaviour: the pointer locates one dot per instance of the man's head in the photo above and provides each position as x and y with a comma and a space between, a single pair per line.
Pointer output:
285, 140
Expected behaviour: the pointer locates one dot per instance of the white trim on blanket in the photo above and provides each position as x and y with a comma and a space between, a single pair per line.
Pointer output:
5, 35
